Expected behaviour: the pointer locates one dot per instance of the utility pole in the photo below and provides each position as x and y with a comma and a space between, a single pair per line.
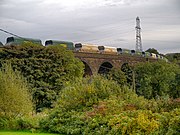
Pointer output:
138, 35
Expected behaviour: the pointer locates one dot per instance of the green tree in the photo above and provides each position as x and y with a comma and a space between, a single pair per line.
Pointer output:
117, 75
128, 73
46, 69
15, 99
152, 50
157, 79
174, 57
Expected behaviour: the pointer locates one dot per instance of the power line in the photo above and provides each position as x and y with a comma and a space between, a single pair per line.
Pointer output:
161, 41
11, 33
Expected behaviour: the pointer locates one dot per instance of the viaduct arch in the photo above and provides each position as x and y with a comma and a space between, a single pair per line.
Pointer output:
101, 63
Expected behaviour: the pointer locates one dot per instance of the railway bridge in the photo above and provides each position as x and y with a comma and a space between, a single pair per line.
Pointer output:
101, 63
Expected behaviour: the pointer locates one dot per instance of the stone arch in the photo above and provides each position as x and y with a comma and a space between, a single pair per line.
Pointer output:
87, 69
105, 67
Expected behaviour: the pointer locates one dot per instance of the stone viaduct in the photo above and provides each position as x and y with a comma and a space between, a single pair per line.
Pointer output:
100, 63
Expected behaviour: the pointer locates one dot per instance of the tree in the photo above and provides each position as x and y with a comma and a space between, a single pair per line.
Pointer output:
174, 57
46, 69
128, 73
117, 75
15, 99
152, 50
157, 79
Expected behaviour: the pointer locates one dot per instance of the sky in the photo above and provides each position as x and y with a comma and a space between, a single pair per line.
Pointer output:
100, 22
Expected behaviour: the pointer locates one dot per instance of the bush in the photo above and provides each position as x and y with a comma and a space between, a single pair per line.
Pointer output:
19, 123
98, 106
118, 76
15, 99
46, 69
86, 92
157, 79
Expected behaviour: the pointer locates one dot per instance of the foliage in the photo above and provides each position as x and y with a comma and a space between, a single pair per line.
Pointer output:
14, 95
152, 50
128, 73
157, 79
22, 123
22, 133
86, 92
117, 75
92, 105
174, 57
82, 94
46, 69
97, 106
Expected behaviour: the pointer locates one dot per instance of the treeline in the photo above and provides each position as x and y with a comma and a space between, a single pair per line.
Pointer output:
174, 57
42, 88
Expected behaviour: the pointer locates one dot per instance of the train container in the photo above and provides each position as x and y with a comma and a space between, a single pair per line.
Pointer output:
136, 53
86, 48
19, 41
66, 44
153, 55
107, 49
146, 54
123, 51
158, 56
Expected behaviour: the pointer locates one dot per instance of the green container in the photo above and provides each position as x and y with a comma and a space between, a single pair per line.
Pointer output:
138, 53
66, 44
123, 51
147, 54
19, 41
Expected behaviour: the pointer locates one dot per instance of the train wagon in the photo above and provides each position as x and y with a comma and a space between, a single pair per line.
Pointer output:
136, 53
158, 56
123, 51
146, 54
86, 48
66, 44
19, 41
107, 50
153, 55
161, 57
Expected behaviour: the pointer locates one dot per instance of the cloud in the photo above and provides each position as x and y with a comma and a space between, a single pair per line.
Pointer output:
109, 22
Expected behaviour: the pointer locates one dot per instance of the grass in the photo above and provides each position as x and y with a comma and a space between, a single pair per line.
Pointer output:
22, 133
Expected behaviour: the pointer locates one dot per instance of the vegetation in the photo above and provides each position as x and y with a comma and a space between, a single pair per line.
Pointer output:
100, 106
119, 76
174, 57
45, 68
157, 79
22, 133
15, 99
93, 105
152, 50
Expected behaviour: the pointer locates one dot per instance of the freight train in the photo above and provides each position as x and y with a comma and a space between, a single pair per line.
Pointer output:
81, 47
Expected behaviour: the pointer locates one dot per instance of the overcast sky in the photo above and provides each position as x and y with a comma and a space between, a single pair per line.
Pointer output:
102, 22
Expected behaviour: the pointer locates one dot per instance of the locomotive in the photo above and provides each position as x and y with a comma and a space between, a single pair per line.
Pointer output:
82, 47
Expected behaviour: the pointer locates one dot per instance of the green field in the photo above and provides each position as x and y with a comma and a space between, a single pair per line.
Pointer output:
22, 133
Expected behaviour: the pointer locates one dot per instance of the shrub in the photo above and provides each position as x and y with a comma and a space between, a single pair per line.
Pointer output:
46, 69
98, 106
86, 92
157, 79
15, 99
